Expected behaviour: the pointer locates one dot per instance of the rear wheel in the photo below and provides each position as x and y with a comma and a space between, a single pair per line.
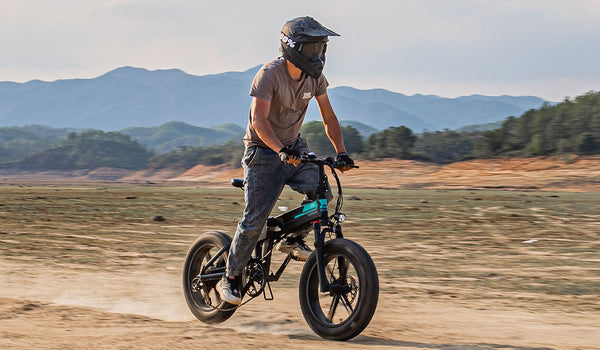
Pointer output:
201, 297
344, 311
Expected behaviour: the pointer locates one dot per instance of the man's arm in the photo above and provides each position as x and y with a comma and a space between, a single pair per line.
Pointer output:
259, 111
331, 124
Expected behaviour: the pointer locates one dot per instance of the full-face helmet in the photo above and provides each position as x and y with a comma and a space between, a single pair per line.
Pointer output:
304, 43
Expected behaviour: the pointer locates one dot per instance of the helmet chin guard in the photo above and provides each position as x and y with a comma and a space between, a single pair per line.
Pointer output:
304, 42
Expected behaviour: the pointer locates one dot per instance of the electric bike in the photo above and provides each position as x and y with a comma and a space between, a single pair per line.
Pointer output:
338, 288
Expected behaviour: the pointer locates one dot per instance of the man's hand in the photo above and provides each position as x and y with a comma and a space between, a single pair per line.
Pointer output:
289, 156
344, 161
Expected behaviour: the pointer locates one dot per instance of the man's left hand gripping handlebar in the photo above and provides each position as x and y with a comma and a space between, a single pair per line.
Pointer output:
344, 162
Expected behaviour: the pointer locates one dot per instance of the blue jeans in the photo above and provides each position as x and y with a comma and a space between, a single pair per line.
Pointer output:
265, 176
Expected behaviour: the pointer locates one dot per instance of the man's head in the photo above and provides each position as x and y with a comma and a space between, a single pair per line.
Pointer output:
304, 42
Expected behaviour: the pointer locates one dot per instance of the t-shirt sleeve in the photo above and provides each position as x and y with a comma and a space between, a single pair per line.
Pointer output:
322, 85
263, 85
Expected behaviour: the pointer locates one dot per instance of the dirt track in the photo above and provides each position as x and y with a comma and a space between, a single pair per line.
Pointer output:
84, 266
68, 309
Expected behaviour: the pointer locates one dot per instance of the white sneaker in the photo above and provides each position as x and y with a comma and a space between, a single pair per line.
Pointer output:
299, 250
229, 290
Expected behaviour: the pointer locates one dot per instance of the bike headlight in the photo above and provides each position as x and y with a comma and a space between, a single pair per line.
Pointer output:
341, 217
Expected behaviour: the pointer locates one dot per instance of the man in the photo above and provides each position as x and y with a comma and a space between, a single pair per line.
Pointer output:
281, 91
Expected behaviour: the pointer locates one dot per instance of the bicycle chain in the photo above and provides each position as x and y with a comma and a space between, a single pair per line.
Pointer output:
236, 306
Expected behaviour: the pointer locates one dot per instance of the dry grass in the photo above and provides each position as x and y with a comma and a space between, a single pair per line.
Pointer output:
522, 265
426, 243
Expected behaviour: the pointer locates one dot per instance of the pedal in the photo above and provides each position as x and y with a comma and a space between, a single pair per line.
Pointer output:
291, 257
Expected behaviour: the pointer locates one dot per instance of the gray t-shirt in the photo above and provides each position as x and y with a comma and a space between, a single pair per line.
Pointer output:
289, 100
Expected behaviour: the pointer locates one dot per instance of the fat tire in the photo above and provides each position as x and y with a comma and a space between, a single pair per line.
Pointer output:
214, 240
366, 298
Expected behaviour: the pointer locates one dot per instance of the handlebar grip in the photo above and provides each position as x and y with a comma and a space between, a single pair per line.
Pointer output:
330, 161
349, 166
237, 183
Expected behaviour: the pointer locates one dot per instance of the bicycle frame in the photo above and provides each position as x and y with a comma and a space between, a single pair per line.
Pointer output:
277, 228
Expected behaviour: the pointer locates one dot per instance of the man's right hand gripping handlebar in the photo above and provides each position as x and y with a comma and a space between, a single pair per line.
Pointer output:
290, 156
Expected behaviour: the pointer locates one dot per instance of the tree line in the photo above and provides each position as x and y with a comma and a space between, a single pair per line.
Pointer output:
89, 149
397, 143
572, 126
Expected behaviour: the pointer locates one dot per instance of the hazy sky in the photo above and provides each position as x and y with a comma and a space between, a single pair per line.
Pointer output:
546, 48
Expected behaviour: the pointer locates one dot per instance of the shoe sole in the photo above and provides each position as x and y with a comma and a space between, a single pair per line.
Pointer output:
238, 302
225, 298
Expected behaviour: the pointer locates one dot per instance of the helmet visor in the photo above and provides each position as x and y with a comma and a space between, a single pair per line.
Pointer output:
313, 49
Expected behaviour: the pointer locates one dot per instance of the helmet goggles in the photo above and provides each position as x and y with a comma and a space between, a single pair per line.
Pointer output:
313, 49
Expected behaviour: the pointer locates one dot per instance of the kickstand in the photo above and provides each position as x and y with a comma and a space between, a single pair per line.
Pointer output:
270, 297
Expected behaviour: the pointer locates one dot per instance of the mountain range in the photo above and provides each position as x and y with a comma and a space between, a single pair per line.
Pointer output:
135, 97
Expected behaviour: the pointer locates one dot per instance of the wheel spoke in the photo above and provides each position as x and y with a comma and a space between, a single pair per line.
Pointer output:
331, 269
347, 304
206, 259
334, 303
207, 300
331, 275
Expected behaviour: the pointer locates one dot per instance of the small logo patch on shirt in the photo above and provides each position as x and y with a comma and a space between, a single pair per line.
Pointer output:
307, 95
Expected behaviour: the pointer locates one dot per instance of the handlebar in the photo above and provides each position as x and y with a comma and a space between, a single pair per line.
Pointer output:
333, 164
312, 158
306, 158
329, 161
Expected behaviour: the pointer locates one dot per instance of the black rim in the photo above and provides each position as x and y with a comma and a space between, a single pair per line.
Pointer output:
340, 305
204, 296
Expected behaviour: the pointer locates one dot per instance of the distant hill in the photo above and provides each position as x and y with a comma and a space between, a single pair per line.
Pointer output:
90, 149
45, 131
16, 142
230, 128
382, 108
135, 97
364, 130
128, 97
568, 128
481, 127
170, 136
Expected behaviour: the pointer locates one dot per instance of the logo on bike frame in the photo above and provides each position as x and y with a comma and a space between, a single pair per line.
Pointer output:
312, 207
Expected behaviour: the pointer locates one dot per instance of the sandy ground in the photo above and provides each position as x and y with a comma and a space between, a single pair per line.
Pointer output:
62, 308
74, 306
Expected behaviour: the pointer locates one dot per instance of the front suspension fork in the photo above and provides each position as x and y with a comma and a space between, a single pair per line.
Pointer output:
319, 244
324, 284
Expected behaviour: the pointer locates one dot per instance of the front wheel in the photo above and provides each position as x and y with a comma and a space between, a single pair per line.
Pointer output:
201, 297
344, 311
